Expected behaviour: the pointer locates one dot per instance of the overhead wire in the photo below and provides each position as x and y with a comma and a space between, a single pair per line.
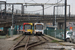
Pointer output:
45, 7
34, 1
29, 1
47, 1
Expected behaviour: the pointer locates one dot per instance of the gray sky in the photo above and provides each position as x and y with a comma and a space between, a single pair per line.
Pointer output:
47, 11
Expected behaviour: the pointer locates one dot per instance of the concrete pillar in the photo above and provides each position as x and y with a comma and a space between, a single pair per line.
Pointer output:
61, 25
58, 25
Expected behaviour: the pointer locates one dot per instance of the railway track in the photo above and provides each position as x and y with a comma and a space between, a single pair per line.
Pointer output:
35, 43
26, 42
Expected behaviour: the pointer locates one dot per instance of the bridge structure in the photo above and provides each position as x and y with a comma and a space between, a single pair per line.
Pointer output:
21, 17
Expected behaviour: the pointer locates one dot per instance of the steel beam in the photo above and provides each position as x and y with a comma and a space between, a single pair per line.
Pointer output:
43, 10
54, 16
5, 11
22, 10
42, 3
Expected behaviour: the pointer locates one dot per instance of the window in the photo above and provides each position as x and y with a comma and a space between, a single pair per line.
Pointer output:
39, 27
70, 33
27, 27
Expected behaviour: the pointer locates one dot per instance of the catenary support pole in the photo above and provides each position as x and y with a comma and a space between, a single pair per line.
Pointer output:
12, 27
65, 19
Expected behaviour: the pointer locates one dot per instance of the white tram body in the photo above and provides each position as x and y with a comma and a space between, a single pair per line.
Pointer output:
38, 28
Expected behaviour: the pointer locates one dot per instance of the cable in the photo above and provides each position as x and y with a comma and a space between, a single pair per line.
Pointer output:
45, 8
34, 1
29, 1
47, 1
40, 9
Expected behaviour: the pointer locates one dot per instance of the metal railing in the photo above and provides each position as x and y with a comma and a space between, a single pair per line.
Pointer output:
59, 33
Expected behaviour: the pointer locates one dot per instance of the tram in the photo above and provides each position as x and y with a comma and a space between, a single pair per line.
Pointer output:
38, 28
27, 28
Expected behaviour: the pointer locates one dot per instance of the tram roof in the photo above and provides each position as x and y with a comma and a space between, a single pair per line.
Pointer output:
27, 23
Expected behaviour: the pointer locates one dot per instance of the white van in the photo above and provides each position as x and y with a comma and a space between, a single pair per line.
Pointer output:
68, 34
72, 37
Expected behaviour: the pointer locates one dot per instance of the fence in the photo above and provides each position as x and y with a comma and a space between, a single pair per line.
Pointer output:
14, 31
55, 33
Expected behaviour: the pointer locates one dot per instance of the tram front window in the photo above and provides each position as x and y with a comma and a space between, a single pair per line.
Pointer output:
27, 27
39, 27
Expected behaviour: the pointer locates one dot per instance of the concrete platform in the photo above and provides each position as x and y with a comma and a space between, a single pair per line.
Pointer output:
54, 38
61, 41
14, 37
68, 43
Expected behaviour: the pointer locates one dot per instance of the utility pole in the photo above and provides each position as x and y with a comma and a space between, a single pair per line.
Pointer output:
43, 10
5, 11
69, 11
29, 18
12, 27
69, 14
54, 16
22, 9
0, 10
65, 19
12, 16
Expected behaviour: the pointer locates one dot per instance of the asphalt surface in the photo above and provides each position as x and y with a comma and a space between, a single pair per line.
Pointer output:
5, 44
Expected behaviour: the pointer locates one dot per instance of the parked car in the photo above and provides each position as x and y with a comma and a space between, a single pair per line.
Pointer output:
72, 38
68, 34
